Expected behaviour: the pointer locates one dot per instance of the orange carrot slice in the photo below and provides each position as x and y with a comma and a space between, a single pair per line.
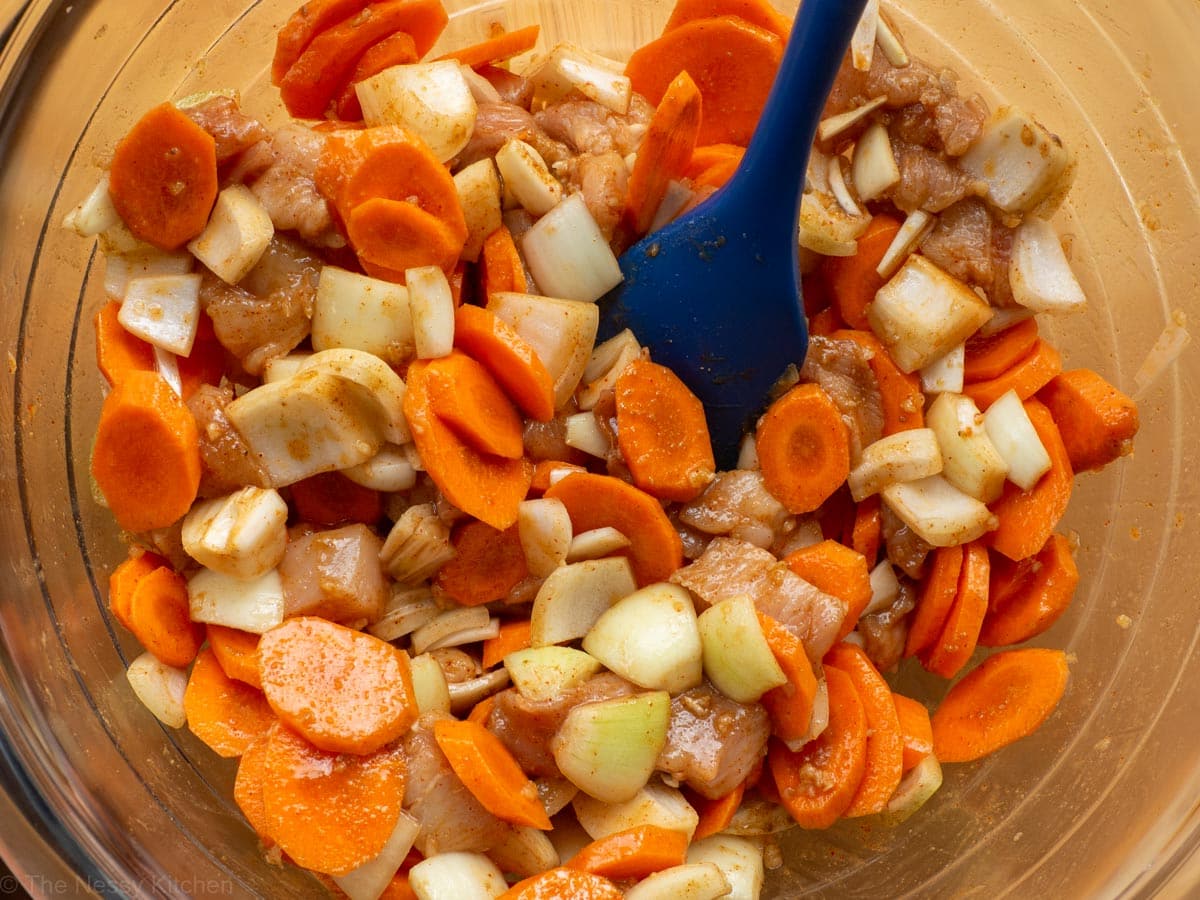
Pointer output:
309, 20
1027, 597
398, 49
1003, 700
1097, 422
546, 468
487, 564
343, 690
958, 638
563, 884
513, 636
790, 705
853, 280
227, 715
497, 49
488, 769
467, 398
509, 358
710, 155
633, 853
392, 236
837, 570
992, 356
756, 12
118, 351
159, 617
331, 499
500, 266
915, 730
935, 601
866, 531
665, 151
248, 786
124, 580
237, 653
803, 448
716, 815
1026, 377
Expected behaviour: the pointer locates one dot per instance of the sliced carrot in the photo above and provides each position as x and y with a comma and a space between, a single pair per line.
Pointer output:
961, 632
885, 742
124, 580
1027, 377
825, 323
330, 812
487, 564
835, 569
146, 457
1027, 597
633, 853
398, 49
487, 768
716, 815
915, 729
163, 177
803, 448
457, 280
500, 266
853, 280
227, 715
790, 705
732, 62
498, 48
704, 158
206, 364
327, 63
903, 402
563, 884
343, 690
237, 652
467, 398
546, 469
662, 432
509, 357
1097, 422
118, 351
714, 177
935, 601
392, 236
309, 20
597, 501
1028, 518
664, 153
487, 487
331, 499
482, 711
515, 635
756, 12
248, 786
866, 531
991, 356
159, 617
818, 783
1003, 700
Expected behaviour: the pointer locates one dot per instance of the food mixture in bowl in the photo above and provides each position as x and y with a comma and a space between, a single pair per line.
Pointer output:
460, 586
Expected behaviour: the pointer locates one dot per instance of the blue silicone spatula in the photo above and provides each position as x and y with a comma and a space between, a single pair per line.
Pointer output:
715, 295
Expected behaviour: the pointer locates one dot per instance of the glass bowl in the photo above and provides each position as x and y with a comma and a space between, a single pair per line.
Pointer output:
1103, 801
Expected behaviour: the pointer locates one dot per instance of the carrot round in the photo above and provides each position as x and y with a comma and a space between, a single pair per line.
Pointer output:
835, 569
1097, 422
515, 635
960, 634
716, 815
118, 351
487, 564
885, 741
853, 280
1027, 597
309, 20
563, 884
248, 785
163, 178
159, 619
467, 398
487, 768
124, 580
331, 499
803, 448
818, 783
915, 729
330, 812
509, 357
705, 157
633, 853
866, 530
790, 705
991, 356
497, 49
500, 265
1028, 518
398, 49
756, 12
487, 487
900, 392
597, 501
935, 600
343, 690
207, 362
481, 712
392, 236
664, 153
1026, 377
227, 715
662, 432
1003, 700
732, 62
146, 457
237, 653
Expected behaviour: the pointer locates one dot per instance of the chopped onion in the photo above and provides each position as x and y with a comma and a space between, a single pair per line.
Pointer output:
407, 610
1016, 441
255, 605
94, 214
456, 876
608, 748
1004, 318
432, 307
889, 42
1163, 354
917, 225
757, 817
524, 850
651, 638
674, 201
166, 364
605, 366
371, 879
874, 165
160, 688
444, 629
389, 471
568, 255
561, 332
431, 100
481, 89
417, 546
574, 596
916, 787
280, 368
584, 433
542, 674
163, 310
740, 861
569, 68
527, 177
737, 658
819, 720
429, 685
555, 793
122, 268
946, 373
971, 461
885, 587
748, 453
1039, 274
654, 804
696, 881
1021, 163
938, 512
465, 694
903, 456
238, 232
837, 184
544, 527
354, 311
373, 375
825, 228
479, 195
862, 42
843, 122
243, 534
596, 544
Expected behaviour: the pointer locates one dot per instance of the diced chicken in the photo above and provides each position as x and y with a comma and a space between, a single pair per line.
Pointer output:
548, 441
603, 180
498, 123
450, 816
713, 743
281, 173
336, 575
972, 246
731, 567
588, 127
738, 504
526, 726
843, 370
929, 180
884, 633
231, 129
227, 463
905, 548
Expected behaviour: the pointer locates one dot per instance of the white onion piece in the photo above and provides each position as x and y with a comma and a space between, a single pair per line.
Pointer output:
841, 193
820, 717
456, 876
1016, 441
432, 307
574, 596
417, 546
163, 310
569, 68
280, 368
481, 89
429, 685
148, 262
370, 880
541, 674
254, 605
465, 694
362, 313
568, 255
243, 534
1163, 354
917, 225
584, 433
938, 512
748, 453
385, 388
972, 462
740, 861
561, 332
447, 625
160, 688
94, 214
903, 456
407, 610
825, 228
166, 364
842, 122
696, 881
479, 195
889, 42
885, 587
528, 178
608, 748
862, 42
596, 544
737, 658
544, 527
654, 804
238, 232
431, 100
605, 366
674, 201
916, 787
524, 851
874, 165
389, 470
1039, 274
946, 373
1021, 162
1004, 318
